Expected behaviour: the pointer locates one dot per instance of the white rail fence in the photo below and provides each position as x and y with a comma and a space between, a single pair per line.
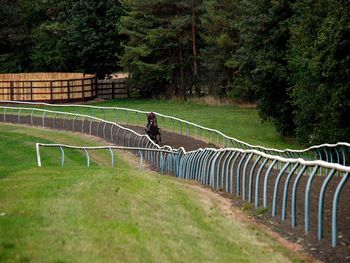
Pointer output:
261, 178
334, 153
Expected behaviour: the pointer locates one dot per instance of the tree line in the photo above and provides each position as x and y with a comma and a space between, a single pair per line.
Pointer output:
291, 57
66, 35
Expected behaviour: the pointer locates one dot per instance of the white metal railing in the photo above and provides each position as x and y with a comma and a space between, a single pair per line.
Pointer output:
337, 153
234, 170
42, 116
222, 169
238, 170
89, 148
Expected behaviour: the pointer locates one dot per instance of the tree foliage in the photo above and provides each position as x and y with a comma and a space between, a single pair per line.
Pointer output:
221, 38
291, 57
319, 58
161, 49
66, 35
264, 34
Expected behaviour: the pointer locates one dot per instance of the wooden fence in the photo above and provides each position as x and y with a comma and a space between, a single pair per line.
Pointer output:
112, 88
59, 87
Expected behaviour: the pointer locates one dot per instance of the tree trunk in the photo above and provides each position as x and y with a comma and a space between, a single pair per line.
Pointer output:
181, 93
194, 50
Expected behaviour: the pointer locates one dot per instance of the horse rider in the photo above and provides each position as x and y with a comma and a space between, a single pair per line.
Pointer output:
150, 116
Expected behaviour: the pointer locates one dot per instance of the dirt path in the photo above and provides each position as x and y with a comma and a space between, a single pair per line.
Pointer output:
174, 140
229, 208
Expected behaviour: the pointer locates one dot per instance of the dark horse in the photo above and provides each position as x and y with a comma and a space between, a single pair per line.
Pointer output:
152, 127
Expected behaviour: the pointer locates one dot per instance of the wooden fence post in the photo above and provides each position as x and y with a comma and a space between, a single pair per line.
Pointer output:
11, 90
61, 88
24, 90
92, 88
126, 86
96, 87
51, 95
68, 90
31, 90
82, 90
113, 89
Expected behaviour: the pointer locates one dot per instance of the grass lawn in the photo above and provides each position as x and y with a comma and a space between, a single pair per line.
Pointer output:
104, 214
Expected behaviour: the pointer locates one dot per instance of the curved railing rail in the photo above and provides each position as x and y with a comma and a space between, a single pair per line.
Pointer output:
252, 174
221, 168
110, 148
79, 123
334, 153
263, 179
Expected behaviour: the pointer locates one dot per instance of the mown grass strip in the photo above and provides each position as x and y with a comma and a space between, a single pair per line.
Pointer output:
100, 214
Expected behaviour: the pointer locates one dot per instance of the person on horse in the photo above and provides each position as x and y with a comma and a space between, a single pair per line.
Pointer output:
152, 127
151, 120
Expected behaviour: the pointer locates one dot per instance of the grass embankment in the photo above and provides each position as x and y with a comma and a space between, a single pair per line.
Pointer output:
104, 214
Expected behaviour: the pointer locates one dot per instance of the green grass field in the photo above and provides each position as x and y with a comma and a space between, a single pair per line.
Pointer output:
104, 214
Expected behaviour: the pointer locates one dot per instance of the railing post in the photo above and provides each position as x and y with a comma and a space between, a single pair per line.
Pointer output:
141, 160
321, 204
19, 116
250, 186
294, 196
256, 200
31, 118
104, 130
62, 156
285, 191
73, 124
244, 175
43, 119
275, 192
238, 183
335, 208
307, 199
87, 158
112, 156
37, 146
267, 175
231, 169
228, 171
82, 125
90, 126
112, 126
162, 162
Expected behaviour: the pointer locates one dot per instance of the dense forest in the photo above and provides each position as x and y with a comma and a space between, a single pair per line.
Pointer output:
291, 57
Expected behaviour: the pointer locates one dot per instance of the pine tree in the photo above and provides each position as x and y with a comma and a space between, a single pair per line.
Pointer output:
262, 58
80, 36
161, 50
221, 38
319, 59
17, 20
65, 35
